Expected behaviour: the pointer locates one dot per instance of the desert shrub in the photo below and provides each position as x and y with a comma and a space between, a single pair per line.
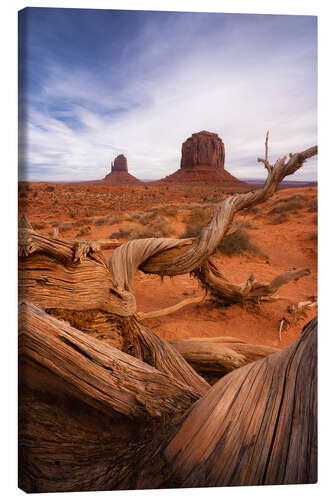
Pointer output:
35, 194
197, 219
121, 233
279, 219
81, 222
142, 217
313, 206
192, 231
100, 221
39, 225
23, 194
138, 231
200, 215
242, 224
65, 226
286, 205
160, 227
49, 189
238, 242
84, 230
169, 211
251, 210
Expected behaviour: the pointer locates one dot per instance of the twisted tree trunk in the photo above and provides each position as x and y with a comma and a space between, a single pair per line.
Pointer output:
102, 397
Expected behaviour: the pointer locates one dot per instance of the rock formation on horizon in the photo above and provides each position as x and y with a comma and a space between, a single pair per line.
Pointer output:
203, 148
119, 173
202, 162
119, 164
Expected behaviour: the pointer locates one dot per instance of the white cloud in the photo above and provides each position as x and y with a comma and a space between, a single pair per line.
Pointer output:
149, 116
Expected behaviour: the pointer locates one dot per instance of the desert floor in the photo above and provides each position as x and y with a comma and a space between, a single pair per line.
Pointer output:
281, 235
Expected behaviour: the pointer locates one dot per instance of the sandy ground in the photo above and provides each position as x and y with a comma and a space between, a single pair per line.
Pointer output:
289, 245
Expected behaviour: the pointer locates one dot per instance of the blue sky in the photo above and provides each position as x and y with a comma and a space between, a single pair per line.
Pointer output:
97, 83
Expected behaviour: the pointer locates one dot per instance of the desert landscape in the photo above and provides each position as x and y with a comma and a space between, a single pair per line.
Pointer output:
242, 294
167, 250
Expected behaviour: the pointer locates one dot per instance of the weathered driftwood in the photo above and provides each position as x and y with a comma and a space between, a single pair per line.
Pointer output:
256, 426
69, 275
171, 309
215, 359
250, 291
89, 414
72, 282
144, 344
100, 375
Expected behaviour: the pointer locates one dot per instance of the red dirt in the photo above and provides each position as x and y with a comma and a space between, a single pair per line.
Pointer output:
290, 244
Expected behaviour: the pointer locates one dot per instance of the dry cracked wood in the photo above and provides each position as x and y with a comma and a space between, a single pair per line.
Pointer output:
251, 290
89, 414
100, 375
256, 426
70, 275
214, 359
144, 344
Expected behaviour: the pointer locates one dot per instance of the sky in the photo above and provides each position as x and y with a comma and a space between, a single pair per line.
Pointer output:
97, 83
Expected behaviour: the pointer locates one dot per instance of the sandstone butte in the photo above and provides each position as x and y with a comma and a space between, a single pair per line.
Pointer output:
202, 162
119, 173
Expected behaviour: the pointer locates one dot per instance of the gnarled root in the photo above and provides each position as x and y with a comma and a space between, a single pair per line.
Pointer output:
252, 290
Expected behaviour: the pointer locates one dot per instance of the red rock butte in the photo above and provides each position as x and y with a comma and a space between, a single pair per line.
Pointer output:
202, 162
119, 173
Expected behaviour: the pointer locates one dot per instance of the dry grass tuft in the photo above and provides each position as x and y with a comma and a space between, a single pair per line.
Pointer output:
38, 225
84, 230
280, 219
160, 227
239, 242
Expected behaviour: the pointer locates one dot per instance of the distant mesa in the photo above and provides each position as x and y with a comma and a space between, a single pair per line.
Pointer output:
202, 162
203, 148
119, 173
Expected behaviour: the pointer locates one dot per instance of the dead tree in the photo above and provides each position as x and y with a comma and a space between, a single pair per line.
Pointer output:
100, 393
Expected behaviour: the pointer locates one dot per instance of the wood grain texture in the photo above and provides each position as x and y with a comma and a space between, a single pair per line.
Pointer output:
89, 414
215, 359
102, 376
144, 344
256, 426
68, 274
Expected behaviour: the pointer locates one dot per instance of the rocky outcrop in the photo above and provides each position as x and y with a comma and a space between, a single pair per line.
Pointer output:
119, 164
203, 148
202, 162
119, 173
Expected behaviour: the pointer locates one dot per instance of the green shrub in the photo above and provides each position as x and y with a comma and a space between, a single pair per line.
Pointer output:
238, 242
